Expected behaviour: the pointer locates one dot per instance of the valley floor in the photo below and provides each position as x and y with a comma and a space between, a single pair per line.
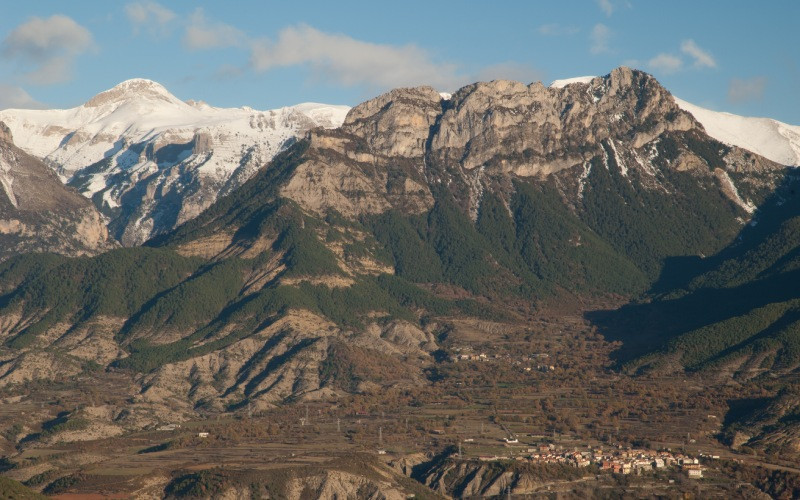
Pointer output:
547, 382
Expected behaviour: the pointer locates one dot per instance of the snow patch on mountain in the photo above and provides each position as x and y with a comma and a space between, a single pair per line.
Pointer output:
729, 188
623, 168
6, 181
557, 84
587, 169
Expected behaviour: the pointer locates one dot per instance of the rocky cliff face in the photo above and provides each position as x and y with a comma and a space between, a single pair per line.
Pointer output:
38, 213
535, 130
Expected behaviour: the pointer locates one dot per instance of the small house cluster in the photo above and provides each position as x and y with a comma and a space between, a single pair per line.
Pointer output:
168, 427
524, 363
466, 356
614, 461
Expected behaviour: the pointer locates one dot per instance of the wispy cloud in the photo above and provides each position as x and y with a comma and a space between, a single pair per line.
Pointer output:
202, 33
600, 38
669, 63
47, 47
666, 63
606, 6
555, 29
702, 59
151, 17
350, 62
16, 97
742, 90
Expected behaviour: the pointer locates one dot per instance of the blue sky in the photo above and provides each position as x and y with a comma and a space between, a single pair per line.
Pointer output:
737, 56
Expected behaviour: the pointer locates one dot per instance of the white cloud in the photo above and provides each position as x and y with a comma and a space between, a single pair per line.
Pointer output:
741, 90
556, 29
47, 48
600, 37
606, 6
16, 97
150, 16
204, 34
702, 59
666, 63
351, 62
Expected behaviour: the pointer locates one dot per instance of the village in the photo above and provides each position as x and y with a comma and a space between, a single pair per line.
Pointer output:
526, 363
614, 460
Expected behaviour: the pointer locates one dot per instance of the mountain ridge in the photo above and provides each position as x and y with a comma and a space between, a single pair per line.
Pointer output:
438, 259
778, 141
150, 161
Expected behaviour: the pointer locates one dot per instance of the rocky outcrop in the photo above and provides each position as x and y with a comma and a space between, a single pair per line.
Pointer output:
5, 134
357, 475
339, 484
202, 143
38, 213
397, 123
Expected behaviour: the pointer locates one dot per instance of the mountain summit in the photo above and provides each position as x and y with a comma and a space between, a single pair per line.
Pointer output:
774, 140
135, 88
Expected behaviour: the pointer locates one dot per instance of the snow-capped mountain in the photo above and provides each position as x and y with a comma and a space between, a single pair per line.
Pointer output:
150, 161
774, 140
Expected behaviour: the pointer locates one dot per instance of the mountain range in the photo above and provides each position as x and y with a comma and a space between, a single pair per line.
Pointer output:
286, 258
150, 161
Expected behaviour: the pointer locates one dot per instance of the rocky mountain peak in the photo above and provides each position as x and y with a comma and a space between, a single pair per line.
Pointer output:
538, 130
398, 122
535, 129
415, 96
